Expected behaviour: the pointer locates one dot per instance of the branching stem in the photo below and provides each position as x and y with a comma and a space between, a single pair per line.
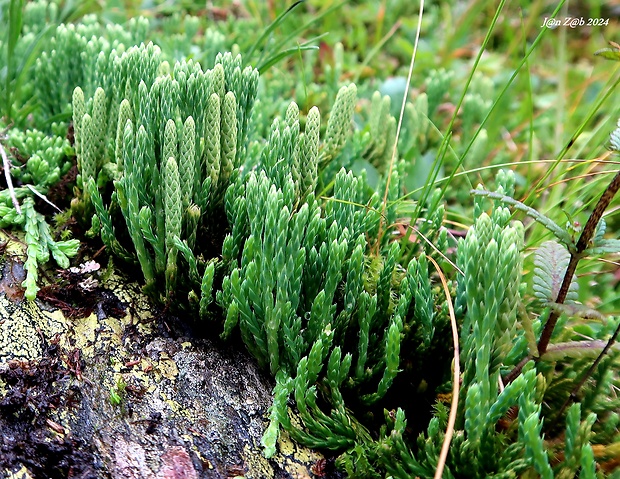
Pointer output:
586, 236
573, 393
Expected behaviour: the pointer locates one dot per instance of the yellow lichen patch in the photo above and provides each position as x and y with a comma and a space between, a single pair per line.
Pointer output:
299, 458
120, 288
22, 473
113, 339
202, 459
4, 314
139, 311
285, 444
295, 459
144, 328
115, 325
12, 247
171, 403
167, 367
256, 464
174, 406
23, 324
19, 331
141, 378
116, 363
85, 334
54, 322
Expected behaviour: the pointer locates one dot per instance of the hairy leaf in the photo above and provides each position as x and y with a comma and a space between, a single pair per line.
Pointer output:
551, 260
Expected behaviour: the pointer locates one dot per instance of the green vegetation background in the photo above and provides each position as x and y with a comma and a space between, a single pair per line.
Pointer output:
537, 102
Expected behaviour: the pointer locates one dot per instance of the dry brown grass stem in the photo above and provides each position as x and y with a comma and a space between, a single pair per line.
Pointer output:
445, 447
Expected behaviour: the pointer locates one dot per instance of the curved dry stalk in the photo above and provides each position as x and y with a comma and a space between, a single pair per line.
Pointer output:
43, 197
408, 227
430, 243
441, 462
579, 177
7, 175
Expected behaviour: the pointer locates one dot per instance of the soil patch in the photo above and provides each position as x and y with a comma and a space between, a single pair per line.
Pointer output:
33, 393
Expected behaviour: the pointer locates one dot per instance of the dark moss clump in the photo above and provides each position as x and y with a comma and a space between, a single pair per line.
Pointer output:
31, 437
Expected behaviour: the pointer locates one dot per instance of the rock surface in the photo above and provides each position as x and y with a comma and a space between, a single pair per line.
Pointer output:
125, 392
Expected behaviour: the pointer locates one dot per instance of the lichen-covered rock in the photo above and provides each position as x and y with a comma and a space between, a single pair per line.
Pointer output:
23, 325
126, 392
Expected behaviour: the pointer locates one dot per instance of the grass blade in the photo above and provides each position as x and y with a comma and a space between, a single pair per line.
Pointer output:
307, 25
263, 67
523, 61
15, 27
272, 26
32, 53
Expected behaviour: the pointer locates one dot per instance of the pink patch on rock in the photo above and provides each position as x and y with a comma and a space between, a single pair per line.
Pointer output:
130, 461
176, 464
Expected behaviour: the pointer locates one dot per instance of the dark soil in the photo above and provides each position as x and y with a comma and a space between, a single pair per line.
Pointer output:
76, 297
30, 435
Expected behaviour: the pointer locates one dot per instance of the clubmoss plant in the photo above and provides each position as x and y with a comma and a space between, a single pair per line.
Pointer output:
37, 164
40, 76
178, 137
170, 159
39, 242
